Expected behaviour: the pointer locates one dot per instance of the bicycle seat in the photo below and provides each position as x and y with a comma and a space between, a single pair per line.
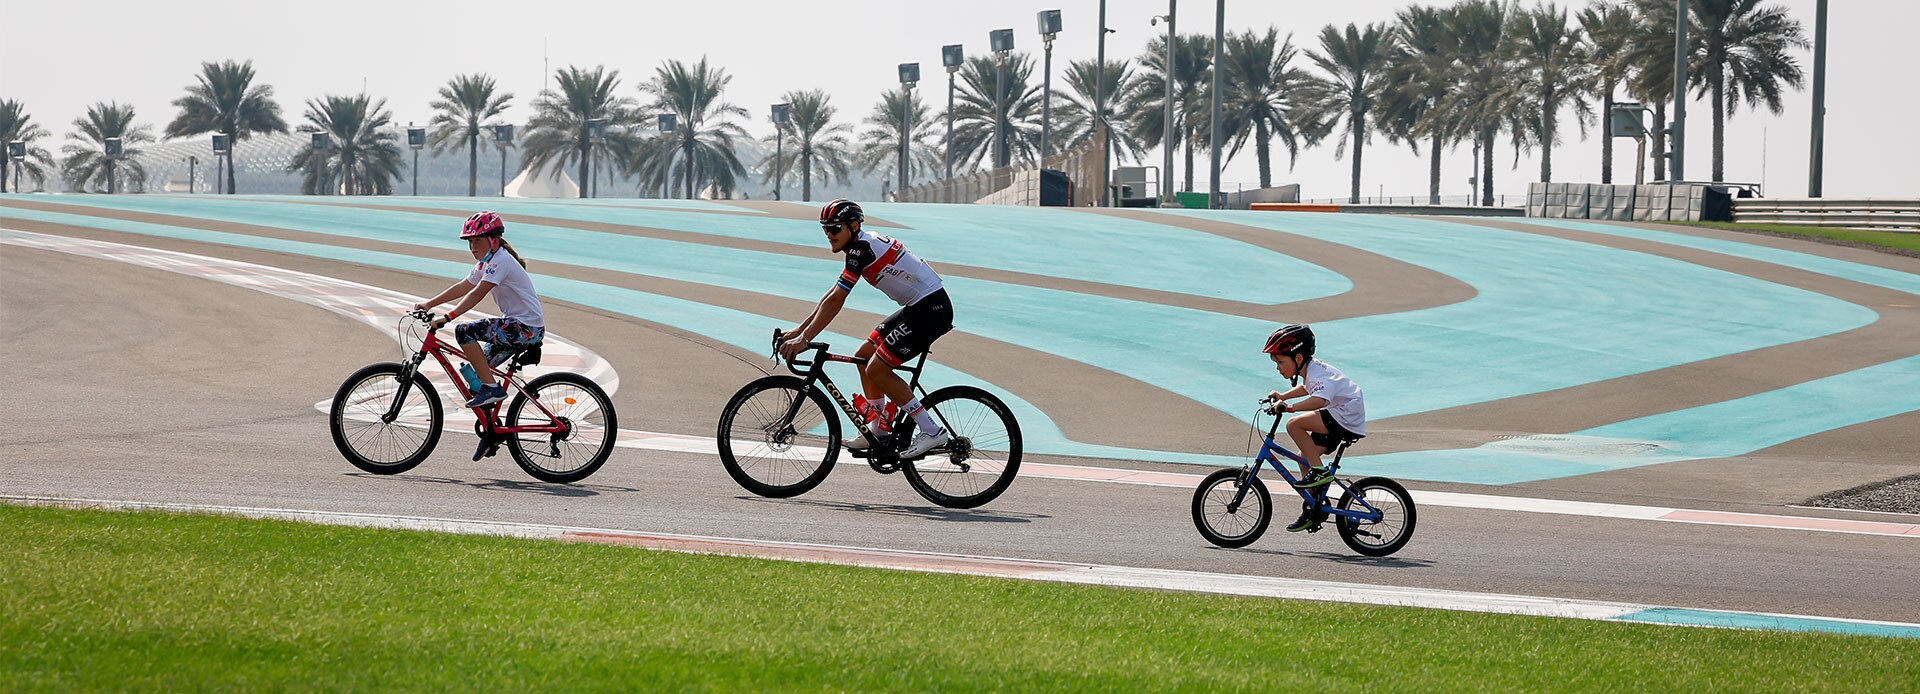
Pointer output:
520, 355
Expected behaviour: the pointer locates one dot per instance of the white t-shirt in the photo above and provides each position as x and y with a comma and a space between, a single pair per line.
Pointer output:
1341, 393
512, 288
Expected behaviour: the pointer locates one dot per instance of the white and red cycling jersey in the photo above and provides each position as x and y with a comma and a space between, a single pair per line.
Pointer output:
888, 265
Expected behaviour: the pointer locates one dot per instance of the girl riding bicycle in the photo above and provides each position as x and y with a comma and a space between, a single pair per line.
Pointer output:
521, 323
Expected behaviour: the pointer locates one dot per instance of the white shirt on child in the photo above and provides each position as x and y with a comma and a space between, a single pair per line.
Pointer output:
1341, 393
512, 288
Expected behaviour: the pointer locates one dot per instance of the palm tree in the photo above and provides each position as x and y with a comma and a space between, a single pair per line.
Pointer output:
364, 157
226, 101
812, 136
1258, 100
1554, 67
1609, 26
703, 139
16, 124
1192, 61
1746, 49
976, 111
559, 135
1421, 76
1486, 99
1355, 61
87, 168
1074, 120
879, 148
466, 103
1649, 62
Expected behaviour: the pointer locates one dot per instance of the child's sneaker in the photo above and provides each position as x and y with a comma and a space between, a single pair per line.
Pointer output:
1308, 521
487, 395
1316, 477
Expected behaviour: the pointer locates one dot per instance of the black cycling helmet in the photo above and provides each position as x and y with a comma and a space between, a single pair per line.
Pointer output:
841, 211
1291, 340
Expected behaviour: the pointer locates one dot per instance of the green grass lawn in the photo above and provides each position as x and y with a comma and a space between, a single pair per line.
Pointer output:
94, 600
1906, 241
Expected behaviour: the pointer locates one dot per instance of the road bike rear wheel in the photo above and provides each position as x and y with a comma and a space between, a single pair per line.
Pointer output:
778, 437
591, 435
981, 460
1223, 523
1392, 531
362, 430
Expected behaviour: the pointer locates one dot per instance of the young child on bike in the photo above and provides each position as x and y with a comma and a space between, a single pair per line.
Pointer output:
503, 275
1332, 412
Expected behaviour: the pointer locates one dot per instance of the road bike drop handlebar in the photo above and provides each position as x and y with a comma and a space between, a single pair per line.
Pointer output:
796, 364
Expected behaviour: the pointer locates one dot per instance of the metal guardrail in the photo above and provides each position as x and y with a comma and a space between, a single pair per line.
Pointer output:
1858, 213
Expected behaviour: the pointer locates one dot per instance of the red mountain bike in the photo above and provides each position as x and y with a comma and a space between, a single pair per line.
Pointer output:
386, 417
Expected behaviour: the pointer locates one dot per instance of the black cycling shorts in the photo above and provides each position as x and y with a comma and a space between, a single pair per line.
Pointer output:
911, 330
1335, 433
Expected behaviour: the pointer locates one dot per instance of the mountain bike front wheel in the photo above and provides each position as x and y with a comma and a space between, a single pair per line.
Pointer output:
778, 437
1227, 523
382, 424
592, 428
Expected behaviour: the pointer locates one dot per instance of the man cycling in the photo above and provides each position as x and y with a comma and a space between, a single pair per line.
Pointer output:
924, 316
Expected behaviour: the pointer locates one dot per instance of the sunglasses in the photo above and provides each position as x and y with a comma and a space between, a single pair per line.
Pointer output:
832, 229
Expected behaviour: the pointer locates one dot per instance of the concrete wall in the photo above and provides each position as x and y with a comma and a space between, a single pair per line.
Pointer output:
1656, 203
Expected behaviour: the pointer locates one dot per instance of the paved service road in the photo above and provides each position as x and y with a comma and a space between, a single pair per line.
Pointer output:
129, 383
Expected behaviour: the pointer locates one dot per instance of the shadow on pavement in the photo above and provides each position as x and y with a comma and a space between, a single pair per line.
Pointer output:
933, 513
1354, 559
499, 485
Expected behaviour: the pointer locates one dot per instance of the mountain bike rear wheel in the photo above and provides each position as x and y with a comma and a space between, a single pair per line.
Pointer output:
589, 441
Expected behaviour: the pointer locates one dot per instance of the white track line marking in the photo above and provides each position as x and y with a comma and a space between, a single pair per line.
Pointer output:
1042, 570
378, 308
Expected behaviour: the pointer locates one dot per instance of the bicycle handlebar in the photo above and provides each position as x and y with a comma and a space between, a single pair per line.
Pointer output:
795, 364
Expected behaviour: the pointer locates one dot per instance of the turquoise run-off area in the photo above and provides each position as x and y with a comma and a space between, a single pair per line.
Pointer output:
1548, 312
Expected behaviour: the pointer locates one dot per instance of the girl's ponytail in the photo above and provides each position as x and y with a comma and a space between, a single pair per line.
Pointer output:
515, 254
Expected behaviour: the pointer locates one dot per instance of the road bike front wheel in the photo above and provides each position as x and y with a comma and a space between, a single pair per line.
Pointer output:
590, 437
1392, 531
376, 435
1224, 522
981, 460
778, 437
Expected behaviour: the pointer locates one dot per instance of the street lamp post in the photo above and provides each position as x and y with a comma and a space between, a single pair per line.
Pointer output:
416, 138
1817, 151
1213, 122
321, 143
1677, 149
781, 112
596, 127
667, 124
222, 148
1166, 136
952, 56
503, 137
112, 147
1049, 23
1100, 111
1001, 41
909, 76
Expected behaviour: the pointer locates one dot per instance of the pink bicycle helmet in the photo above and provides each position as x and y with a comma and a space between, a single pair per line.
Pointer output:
483, 224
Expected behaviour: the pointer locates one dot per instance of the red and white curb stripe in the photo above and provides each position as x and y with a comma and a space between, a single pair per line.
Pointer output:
379, 308
1026, 569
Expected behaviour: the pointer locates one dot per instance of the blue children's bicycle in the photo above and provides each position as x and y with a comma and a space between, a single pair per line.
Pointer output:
1231, 508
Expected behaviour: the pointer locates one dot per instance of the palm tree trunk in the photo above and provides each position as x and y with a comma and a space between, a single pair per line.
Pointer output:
1719, 121
230, 186
1433, 173
1546, 144
1189, 163
1261, 151
584, 152
687, 151
1659, 141
806, 176
4, 180
1606, 136
473, 162
1486, 167
1359, 121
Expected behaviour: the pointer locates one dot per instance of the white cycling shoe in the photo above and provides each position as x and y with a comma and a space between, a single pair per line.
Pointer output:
923, 442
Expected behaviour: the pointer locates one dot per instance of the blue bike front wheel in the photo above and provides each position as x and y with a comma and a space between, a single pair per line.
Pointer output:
1227, 517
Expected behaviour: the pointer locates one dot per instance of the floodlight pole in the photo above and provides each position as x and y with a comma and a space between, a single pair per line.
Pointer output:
1166, 136
951, 72
1219, 57
1677, 148
1817, 152
1046, 100
1001, 156
1100, 111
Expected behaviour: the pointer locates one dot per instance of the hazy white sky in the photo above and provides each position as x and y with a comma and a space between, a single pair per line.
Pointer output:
61, 56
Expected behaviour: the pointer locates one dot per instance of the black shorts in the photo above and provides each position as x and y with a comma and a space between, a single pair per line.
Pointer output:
1335, 433
910, 331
